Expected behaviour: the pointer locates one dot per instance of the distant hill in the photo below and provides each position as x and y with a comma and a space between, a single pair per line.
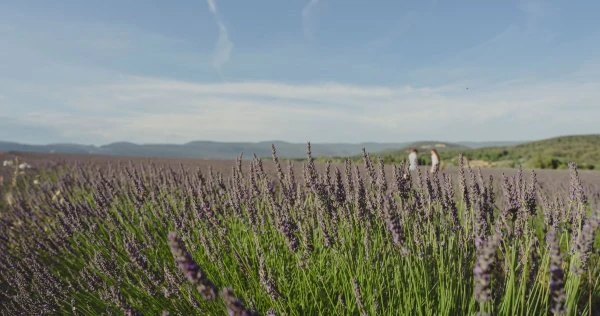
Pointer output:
422, 147
52, 148
553, 153
227, 150
206, 149
489, 144
440, 146
549, 153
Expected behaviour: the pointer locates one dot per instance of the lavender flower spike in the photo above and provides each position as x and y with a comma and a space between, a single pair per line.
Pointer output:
557, 275
483, 269
190, 268
235, 307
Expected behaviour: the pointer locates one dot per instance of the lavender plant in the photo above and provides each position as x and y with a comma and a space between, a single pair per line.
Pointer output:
156, 236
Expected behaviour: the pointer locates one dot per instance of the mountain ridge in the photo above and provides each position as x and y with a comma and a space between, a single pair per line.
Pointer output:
231, 149
213, 149
203, 148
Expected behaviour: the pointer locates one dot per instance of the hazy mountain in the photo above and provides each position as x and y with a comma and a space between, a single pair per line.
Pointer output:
230, 150
51, 148
559, 149
206, 149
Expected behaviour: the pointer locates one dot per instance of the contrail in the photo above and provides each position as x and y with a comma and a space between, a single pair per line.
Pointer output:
306, 17
224, 45
212, 6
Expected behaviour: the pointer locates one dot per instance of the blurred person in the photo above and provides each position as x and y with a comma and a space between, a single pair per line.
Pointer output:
435, 161
413, 159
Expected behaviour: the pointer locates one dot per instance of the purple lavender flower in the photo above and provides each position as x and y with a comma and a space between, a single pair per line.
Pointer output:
557, 290
134, 253
265, 280
510, 203
311, 174
369, 167
235, 307
585, 242
403, 181
190, 268
462, 181
482, 272
448, 202
340, 191
291, 183
349, 178
381, 185
360, 199
288, 228
393, 222
576, 192
358, 297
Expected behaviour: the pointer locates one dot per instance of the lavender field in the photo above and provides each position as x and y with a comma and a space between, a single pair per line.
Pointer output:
98, 235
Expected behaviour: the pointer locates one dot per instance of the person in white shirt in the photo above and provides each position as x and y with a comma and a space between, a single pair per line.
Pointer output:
435, 161
412, 159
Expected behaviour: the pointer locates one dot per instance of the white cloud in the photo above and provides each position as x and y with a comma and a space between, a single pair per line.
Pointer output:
158, 110
81, 128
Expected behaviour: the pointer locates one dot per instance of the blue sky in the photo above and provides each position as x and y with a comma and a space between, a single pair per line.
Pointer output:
146, 71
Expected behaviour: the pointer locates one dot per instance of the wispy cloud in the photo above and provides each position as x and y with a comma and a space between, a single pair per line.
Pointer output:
224, 46
536, 9
160, 110
212, 6
306, 18
538, 20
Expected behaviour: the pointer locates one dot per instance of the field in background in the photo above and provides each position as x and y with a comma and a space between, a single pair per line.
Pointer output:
225, 166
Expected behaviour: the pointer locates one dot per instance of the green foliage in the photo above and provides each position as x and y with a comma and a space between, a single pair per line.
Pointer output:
554, 153
544, 162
